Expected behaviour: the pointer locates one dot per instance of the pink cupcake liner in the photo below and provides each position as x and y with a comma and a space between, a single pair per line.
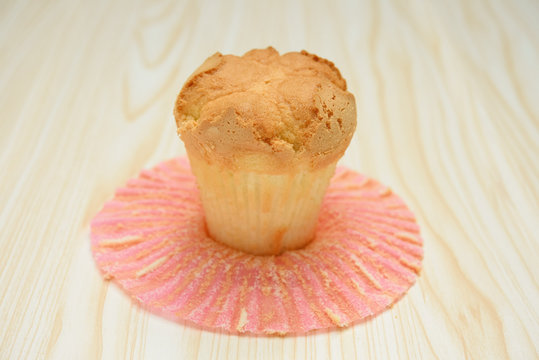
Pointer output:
151, 239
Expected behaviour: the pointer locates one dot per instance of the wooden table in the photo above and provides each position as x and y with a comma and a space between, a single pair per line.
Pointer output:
448, 98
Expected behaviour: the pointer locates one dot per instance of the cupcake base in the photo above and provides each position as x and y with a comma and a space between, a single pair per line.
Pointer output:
263, 214
151, 239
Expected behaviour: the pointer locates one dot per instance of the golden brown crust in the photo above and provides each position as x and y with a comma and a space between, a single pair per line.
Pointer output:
263, 111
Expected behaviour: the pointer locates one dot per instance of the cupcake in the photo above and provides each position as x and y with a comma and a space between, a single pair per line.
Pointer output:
263, 133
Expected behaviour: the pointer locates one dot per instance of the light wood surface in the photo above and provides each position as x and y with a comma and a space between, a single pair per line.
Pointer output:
448, 98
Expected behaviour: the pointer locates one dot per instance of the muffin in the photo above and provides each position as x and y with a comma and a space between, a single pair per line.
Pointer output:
263, 133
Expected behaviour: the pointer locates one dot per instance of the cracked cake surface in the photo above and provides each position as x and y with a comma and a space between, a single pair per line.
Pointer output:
263, 111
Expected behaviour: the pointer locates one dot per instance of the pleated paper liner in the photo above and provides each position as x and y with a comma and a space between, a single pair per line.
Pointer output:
151, 239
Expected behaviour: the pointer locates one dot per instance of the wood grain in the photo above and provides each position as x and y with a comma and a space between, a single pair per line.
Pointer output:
447, 93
